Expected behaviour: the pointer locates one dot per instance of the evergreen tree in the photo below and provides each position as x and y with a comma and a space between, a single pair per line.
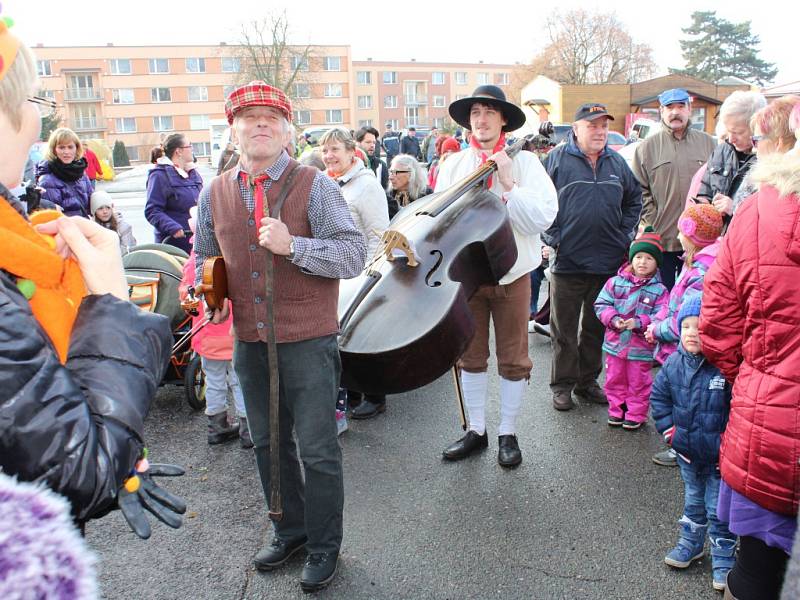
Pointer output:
120, 155
718, 48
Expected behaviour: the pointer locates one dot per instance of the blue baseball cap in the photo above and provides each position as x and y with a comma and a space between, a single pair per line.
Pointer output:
673, 96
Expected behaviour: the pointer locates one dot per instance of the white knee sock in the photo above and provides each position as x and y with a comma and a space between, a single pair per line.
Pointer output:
474, 386
511, 393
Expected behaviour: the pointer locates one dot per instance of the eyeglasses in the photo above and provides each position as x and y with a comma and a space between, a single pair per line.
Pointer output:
755, 139
46, 106
396, 172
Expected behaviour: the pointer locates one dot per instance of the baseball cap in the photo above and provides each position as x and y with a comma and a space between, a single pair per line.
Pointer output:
591, 111
673, 96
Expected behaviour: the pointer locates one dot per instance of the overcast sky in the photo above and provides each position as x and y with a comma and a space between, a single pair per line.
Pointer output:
464, 31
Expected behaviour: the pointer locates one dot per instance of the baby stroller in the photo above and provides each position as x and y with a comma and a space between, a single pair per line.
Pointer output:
154, 273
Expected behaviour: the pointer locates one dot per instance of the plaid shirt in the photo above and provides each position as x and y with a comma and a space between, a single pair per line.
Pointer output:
337, 250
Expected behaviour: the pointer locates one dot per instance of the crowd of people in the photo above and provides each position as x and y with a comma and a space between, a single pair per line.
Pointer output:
686, 261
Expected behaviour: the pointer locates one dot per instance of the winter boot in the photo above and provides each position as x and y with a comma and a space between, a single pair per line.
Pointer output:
723, 551
244, 433
219, 430
690, 544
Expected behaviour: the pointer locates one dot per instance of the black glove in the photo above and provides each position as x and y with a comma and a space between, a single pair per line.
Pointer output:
165, 506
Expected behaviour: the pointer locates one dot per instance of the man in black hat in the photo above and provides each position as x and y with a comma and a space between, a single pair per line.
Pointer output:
530, 197
599, 201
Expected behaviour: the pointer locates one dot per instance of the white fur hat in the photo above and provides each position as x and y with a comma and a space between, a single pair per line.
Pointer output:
100, 199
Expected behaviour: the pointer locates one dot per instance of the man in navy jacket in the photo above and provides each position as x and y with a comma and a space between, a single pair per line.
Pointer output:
599, 201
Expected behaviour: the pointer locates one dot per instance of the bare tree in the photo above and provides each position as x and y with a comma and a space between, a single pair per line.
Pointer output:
591, 47
266, 54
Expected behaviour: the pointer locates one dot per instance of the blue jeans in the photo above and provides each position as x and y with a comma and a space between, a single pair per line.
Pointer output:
537, 276
701, 491
309, 381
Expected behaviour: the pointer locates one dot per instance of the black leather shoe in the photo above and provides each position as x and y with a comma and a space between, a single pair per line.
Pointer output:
277, 553
368, 409
319, 571
466, 446
508, 453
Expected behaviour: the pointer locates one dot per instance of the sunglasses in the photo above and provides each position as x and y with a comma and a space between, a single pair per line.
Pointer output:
396, 172
755, 139
46, 106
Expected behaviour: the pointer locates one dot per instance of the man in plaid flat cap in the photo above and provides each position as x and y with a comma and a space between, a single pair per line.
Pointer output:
269, 205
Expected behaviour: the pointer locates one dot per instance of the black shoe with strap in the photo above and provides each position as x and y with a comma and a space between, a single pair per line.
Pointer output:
277, 553
319, 571
368, 409
508, 453
472, 442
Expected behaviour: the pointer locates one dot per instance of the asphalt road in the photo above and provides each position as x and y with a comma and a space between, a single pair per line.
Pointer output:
586, 515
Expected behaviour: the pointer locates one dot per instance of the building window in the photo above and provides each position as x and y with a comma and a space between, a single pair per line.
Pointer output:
132, 152
365, 102
393, 124
201, 148
364, 77
438, 122
231, 64
199, 122
412, 116
50, 94
439, 101
331, 63
122, 96
302, 117
699, 118
195, 65
125, 125
198, 93
437, 78
333, 90
390, 102
162, 123
461, 78
299, 63
364, 123
482, 78
333, 116
43, 68
390, 77
159, 65
120, 66
160, 95
227, 89
501, 78
302, 90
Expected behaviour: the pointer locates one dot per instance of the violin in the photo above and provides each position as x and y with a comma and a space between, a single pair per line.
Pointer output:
214, 284
406, 320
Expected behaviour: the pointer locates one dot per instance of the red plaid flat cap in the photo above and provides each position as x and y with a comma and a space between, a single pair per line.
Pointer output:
257, 93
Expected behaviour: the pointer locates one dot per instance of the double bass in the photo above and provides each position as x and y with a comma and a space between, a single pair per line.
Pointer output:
405, 320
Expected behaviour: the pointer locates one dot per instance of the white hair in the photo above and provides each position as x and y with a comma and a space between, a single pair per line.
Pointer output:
417, 182
742, 105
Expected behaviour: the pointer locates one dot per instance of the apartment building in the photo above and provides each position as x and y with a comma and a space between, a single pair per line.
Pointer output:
417, 94
141, 94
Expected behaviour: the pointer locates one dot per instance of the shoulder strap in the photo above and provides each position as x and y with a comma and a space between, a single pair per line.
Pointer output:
293, 168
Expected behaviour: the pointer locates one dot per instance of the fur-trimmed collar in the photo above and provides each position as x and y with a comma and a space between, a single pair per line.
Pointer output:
781, 171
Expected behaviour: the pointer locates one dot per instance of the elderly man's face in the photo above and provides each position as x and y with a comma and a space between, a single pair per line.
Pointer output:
739, 133
591, 135
676, 115
261, 132
486, 122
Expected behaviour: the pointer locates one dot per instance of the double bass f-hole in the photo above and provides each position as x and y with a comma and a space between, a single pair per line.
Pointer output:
439, 256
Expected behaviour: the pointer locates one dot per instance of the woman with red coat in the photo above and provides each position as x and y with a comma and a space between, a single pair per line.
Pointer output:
750, 326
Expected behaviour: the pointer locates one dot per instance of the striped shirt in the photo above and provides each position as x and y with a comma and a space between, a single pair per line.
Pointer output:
337, 249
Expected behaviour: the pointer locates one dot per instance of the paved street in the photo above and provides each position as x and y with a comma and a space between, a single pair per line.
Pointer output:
586, 515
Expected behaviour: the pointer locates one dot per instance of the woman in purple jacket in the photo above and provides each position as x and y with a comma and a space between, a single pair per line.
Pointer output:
173, 186
63, 174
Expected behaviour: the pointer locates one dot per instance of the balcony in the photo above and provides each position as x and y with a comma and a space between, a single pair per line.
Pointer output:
83, 94
86, 124
416, 100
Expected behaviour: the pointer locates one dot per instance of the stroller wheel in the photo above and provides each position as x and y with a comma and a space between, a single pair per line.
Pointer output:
194, 384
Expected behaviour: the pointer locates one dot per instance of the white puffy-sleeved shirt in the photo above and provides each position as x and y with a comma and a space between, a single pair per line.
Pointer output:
532, 203
366, 200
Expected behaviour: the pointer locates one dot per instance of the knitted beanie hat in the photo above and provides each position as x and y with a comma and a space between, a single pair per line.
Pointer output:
99, 199
9, 45
649, 242
450, 145
701, 223
689, 308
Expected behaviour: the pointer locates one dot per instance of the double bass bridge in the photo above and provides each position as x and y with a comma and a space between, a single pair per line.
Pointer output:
393, 245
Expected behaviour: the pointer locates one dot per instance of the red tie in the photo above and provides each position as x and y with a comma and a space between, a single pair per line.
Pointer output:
257, 186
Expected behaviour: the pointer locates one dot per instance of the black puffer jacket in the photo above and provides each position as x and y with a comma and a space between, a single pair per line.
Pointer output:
724, 175
78, 427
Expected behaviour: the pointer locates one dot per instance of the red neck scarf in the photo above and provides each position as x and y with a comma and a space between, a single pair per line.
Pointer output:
501, 143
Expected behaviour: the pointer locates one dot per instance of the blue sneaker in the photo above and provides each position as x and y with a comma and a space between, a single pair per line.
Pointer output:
723, 557
690, 544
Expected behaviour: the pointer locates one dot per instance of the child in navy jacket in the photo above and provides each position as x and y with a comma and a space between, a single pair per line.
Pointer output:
690, 402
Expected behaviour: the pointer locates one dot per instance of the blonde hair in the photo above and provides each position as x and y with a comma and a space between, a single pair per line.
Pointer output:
63, 135
338, 135
17, 85
773, 120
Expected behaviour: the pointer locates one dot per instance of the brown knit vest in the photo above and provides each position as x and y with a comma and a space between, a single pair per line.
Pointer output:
305, 305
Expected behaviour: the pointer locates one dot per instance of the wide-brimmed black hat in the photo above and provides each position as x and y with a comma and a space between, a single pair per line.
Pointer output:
493, 96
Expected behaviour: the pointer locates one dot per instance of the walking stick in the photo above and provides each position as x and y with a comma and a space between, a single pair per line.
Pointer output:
460, 395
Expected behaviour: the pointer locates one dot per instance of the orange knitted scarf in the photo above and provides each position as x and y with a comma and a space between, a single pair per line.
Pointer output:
55, 285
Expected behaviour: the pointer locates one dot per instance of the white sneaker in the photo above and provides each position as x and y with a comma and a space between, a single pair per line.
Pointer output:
341, 422
531, 324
